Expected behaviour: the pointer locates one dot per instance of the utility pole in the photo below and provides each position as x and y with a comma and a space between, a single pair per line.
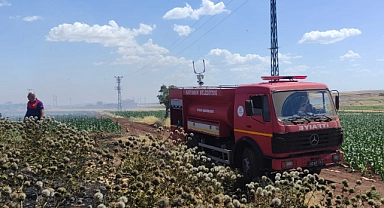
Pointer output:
274, 44
118, 88
54, 98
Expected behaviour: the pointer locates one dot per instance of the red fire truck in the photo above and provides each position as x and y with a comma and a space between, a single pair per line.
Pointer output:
275, 125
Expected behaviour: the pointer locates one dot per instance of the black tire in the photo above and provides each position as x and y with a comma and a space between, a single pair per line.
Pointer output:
315, 170
250, 164
193, 142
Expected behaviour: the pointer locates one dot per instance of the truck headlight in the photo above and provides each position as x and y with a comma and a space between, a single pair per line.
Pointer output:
336, 158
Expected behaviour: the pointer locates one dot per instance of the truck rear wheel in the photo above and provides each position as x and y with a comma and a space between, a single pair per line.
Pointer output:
193, 142
250, 164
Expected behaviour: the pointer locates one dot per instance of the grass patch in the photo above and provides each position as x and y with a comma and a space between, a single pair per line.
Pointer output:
151, 120
362, 107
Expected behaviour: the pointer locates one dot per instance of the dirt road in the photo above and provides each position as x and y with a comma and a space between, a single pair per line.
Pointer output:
338, 173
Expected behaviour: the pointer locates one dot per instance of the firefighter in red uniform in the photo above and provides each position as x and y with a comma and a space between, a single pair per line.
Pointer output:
35, 107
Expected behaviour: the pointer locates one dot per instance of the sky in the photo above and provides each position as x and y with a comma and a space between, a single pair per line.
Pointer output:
74, 50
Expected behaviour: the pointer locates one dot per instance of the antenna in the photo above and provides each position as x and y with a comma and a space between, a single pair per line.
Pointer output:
274, 43
199, 75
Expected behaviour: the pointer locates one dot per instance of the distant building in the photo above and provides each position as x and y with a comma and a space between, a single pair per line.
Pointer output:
128, 103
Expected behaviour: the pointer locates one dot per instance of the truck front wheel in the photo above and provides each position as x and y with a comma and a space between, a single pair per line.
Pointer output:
250, 164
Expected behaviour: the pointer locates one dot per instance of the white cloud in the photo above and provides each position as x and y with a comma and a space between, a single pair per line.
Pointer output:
321, 72
31, 18
107, 35
286, 58
182, 30
113, 36
295, 70
152, 62
98, 63
15, 17
380, 59
358, 70
330, 36
5, 3
319, 67
227, 61
352, 56
178, 79
146, 49
364, 70
235, 58
206, 8
243, 64
27, 18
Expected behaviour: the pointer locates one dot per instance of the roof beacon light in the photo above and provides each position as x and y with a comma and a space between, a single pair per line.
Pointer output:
282, 77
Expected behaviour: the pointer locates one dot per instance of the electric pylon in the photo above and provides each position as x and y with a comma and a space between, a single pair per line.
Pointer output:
119, 88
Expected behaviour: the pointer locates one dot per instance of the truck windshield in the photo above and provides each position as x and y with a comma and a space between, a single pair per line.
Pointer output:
305, 104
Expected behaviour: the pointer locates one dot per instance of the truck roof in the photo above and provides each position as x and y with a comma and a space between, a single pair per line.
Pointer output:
270, 84
286, 85
274, 86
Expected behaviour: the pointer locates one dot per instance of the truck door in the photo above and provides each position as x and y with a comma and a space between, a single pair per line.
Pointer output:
258, 123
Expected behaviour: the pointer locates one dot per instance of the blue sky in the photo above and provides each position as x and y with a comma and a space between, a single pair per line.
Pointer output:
74, 49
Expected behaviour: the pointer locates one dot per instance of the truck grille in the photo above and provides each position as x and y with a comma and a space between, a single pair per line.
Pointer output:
308, 140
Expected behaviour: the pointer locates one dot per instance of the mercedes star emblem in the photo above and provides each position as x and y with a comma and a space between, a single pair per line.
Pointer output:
314, 139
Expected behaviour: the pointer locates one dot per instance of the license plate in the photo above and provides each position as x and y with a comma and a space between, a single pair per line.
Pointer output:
315, 163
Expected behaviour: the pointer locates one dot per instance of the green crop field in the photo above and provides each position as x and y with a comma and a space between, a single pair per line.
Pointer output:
363, 107
364, 141
90, 123
140, 114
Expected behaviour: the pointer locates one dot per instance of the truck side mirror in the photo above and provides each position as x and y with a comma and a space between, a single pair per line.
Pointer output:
337, 99
248, 107
337, 102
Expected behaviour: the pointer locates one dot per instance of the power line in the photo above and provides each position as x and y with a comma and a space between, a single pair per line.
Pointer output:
193, 32
158, 58
205, 33
201, 26
213, 27
170, 49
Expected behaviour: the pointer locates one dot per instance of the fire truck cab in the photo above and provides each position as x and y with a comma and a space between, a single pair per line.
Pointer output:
276, 125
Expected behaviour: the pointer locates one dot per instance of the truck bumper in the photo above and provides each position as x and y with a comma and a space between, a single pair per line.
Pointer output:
318, 161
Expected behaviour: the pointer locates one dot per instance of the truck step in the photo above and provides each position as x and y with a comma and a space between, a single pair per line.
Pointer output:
226, 152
